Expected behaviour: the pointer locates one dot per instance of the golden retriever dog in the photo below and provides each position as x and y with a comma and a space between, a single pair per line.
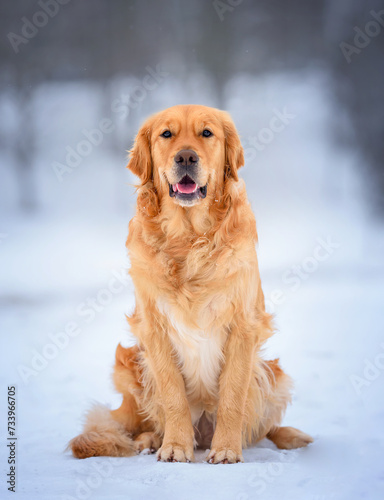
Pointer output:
196, 376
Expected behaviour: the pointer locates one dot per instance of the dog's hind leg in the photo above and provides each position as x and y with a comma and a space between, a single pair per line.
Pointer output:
147, 441
111, 433
277, 394
287, 438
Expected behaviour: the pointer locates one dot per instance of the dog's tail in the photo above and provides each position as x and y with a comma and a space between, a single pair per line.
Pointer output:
102, 436
111, 433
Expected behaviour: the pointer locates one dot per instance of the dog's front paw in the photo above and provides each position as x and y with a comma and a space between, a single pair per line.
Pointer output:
175, 452
224, 456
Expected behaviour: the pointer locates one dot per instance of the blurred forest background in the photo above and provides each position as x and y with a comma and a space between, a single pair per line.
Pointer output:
83, 59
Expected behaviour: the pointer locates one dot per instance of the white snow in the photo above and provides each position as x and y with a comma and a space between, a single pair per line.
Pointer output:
304, 191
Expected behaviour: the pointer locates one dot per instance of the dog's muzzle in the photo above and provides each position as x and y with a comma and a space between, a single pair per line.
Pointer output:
187, 189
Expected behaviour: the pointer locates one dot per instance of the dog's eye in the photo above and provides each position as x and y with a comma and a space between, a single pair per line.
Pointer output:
206, 133
166, 134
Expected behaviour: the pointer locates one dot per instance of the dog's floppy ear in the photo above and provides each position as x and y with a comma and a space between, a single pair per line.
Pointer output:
140, 162
234, 153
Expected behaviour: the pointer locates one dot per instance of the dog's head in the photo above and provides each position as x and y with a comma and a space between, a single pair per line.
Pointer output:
188, 152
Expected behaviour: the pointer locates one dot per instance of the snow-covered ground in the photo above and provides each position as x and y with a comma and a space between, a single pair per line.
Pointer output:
329, 311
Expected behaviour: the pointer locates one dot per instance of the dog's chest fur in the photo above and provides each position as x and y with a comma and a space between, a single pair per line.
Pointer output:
199, 353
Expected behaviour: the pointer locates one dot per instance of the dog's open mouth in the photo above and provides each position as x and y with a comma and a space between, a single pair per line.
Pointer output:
187, 190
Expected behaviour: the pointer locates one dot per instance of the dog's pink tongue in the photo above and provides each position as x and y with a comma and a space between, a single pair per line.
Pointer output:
186, 188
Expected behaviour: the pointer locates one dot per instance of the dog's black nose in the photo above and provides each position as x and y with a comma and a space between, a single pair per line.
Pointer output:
186, 158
